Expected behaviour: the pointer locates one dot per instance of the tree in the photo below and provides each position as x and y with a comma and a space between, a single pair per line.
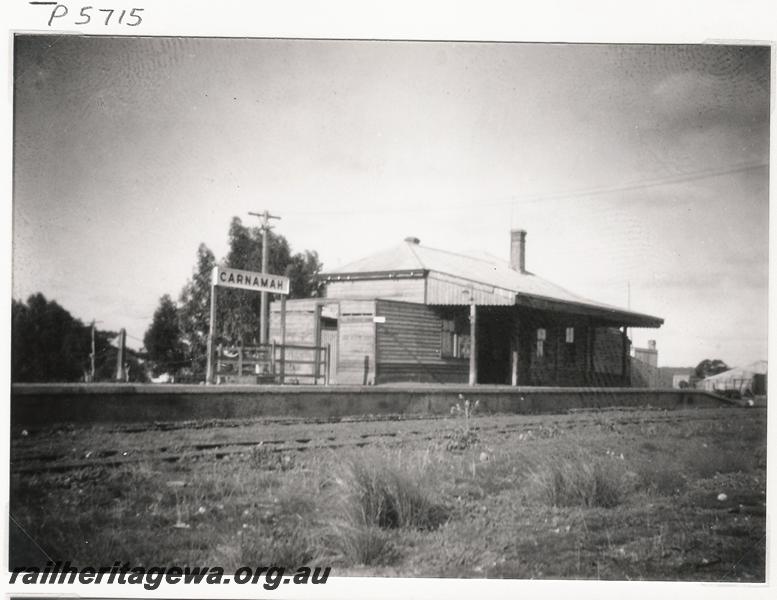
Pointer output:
49, 345
707, 368
162, 340
245, 252
239, 310
303, 271
194, 311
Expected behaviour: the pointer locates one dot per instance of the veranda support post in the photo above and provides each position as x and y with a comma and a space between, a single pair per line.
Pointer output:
283, 339
473, 360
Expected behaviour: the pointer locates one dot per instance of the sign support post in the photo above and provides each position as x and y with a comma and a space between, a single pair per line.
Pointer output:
211, 329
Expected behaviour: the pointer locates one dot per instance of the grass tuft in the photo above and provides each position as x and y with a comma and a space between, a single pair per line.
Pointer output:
373, 495
580, 481
378, 493
362, 545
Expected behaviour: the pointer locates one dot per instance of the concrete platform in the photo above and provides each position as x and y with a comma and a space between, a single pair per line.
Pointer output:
47, 404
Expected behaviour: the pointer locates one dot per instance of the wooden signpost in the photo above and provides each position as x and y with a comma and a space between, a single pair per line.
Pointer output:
244, 280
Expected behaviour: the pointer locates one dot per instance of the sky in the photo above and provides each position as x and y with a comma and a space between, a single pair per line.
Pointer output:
640, 172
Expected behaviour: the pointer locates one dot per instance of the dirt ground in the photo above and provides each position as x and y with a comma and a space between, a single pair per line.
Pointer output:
612, 494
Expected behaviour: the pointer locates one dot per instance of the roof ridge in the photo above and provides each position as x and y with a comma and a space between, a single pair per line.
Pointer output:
414, 253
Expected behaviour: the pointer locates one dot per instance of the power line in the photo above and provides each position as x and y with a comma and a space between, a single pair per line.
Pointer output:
660, 181
533, 198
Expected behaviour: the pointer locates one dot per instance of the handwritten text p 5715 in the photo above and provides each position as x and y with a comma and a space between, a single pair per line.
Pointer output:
67, 15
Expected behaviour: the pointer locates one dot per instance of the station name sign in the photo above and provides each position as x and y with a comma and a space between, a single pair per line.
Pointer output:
249, 280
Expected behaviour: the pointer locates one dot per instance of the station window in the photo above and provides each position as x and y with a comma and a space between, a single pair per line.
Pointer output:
541, 335
448, 340
455, 339
570, 352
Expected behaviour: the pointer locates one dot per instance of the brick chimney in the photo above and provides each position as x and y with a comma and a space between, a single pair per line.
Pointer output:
518, 250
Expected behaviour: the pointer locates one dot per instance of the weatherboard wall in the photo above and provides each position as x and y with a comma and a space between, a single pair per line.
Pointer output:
408, 344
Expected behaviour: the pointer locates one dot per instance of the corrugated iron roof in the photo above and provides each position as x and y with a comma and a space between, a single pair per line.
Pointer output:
483, 269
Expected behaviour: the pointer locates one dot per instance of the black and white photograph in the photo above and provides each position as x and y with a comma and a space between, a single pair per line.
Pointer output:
286, 308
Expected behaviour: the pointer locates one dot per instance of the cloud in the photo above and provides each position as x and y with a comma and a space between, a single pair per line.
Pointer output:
695, 98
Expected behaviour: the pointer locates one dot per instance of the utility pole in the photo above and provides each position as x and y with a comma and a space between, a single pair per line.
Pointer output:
93, 353
264, 228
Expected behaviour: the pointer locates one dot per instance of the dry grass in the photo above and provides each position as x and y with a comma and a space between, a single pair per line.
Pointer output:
708, 461
588, 481
612, 499
373, 493
286, 543
386, 493
661, 478
360, 545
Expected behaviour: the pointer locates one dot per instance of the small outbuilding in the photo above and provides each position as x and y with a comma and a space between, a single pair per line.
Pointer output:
417, 314
749, 380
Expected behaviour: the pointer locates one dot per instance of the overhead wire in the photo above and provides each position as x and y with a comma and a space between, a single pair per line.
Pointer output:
561, 195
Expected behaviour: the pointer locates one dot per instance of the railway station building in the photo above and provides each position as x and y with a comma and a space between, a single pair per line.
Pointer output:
417, 314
